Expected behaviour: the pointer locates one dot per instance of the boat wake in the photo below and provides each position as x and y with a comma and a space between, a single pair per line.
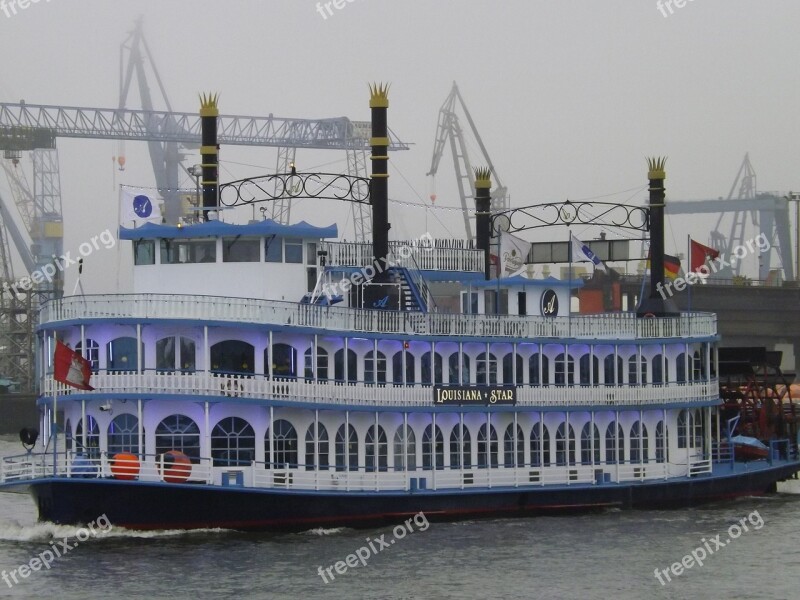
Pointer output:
321, 531
44, 532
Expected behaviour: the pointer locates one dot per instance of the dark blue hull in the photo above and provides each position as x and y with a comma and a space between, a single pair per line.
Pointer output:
139, 505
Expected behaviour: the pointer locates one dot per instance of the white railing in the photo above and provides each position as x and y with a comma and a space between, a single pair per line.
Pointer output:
428, 257
612, 326
336, 393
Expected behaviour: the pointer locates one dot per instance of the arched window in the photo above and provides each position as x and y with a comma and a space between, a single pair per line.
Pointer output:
322, 364
684, 427
680, 368
508, 370
376, 447
565, 445
284, 361
179, 432
432, 448
92, 447
460, 455
590, 445
347, 449
92, 353
637, 370
660, 366
613, 376
661, 448
482, 368
431, 373
565, 370
540, 445
232, 357
513, 450
487, 447
615, 443
175, 353
405, 450
461, 376
639, 443
537, 377
352, 365
375, 369
233, 443
319, 450
284, 441
121, 354
123, 434
397, 368
589, 369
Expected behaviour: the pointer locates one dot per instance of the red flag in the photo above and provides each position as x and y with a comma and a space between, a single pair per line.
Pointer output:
71, 368
700, 254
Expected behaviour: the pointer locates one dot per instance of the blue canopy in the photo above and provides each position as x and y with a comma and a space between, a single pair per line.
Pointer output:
150, 231
519, 281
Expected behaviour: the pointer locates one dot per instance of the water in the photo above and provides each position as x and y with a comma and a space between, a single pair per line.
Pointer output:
608, 555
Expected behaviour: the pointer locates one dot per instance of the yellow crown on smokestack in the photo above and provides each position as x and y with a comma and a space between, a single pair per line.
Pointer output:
379, 95
483, 178
208, 105
656, 166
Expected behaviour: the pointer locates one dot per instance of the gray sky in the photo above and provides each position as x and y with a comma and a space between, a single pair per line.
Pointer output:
569, 96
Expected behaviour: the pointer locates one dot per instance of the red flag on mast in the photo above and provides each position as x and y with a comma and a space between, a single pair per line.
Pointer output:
70, 368
700, 254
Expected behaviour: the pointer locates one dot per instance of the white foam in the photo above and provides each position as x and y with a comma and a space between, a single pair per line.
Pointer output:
44, 532
324, 531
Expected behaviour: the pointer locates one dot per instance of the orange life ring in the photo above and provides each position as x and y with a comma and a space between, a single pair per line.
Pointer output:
125, 466
174, 466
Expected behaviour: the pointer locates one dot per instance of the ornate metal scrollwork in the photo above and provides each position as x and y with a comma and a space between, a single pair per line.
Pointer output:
571, 213
324, 186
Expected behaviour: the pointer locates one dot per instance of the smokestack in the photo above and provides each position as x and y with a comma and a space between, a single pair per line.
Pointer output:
379, 192
656, 304
483, 201
209, 151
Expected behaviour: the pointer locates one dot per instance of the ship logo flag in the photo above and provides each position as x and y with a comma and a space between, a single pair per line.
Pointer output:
138, 206
700, 254
513, 254
581, 251
70, 368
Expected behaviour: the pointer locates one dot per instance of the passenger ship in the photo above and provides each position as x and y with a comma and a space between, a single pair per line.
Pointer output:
228, 395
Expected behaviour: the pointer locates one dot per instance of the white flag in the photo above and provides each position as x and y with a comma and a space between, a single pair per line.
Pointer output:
581, 251
513, 254
138, 206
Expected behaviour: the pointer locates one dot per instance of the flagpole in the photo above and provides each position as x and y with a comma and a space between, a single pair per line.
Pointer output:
689, 264
569, 297
55, 413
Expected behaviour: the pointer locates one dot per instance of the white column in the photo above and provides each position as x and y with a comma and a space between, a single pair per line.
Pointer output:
207, 432
140, 429
206, 354
139, 364
85, 428
434, 463
271, 438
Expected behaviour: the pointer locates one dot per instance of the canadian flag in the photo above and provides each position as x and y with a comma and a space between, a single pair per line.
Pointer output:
70, 368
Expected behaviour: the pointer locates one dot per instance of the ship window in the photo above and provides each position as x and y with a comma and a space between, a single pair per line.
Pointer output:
284, 361
660, 445
352, 366
590, 445
637, 375
322, 364
481, 369
68, 435
639, 443
587, 377
432, 448
311, 253
121, 354
508, 371
179, 432
615, 443
469, 303
565, 448
537, 377
375, 371
514, 456
233, 443
658, 369
92, 353
91, 447
284, 442
376, 447
239, 250
405, 454
232, 357
612, 377
397, 368
293, 248
321, 448
274, 249
123, 435
699, 436
144, 252
491, 305
565, 369
683, 428
487, 447
347, 449
540, 445
174, 252
680, 368
431, 375
464, 376
460, 456
697, 367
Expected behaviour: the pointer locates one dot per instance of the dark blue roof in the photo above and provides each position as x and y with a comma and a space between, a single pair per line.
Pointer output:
150, 231
519, 281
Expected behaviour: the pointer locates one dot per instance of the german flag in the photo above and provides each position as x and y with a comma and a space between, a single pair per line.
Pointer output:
672, 266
